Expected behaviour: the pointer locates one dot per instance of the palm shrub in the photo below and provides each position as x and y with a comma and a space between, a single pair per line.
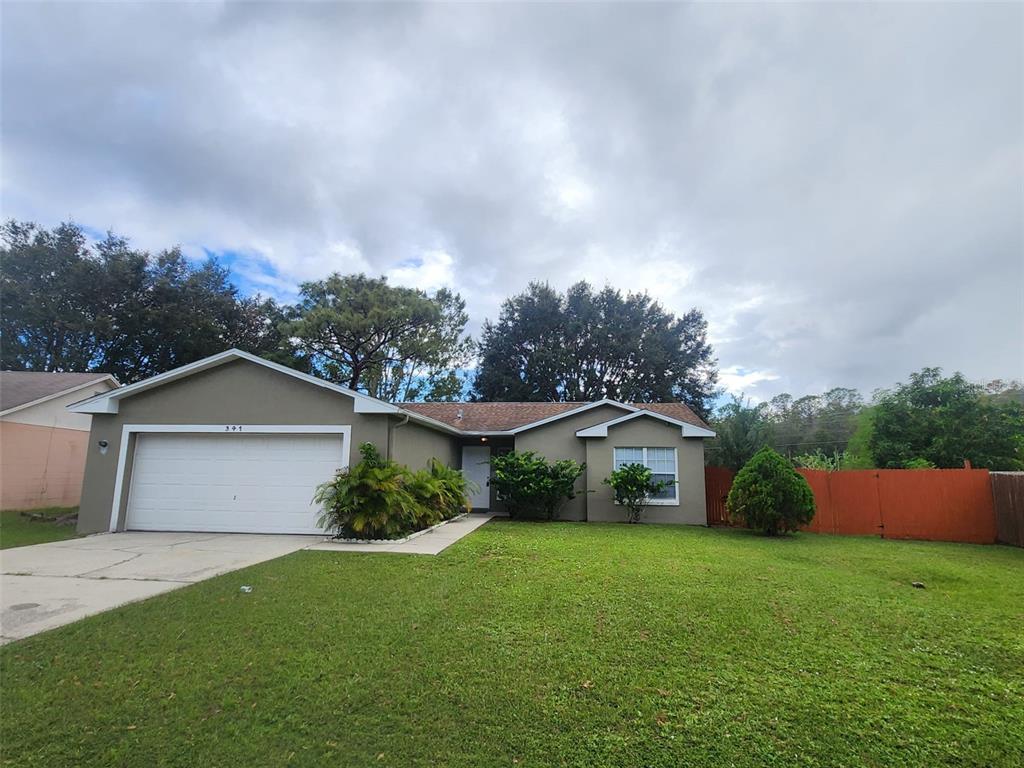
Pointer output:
531, 487
770, 495
429, 494
370, 500
633, 486
441, 492
455, 488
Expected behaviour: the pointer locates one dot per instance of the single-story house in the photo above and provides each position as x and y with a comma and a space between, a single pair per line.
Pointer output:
42, 444
236, 443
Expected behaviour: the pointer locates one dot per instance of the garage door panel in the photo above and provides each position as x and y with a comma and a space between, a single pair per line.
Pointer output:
245, 483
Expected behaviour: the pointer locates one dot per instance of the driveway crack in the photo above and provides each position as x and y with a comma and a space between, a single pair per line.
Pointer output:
85, 574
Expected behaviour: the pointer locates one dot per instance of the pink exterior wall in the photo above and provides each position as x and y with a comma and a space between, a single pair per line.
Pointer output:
41, 466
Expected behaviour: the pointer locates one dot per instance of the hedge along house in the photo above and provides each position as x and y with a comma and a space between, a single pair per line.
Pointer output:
234, 443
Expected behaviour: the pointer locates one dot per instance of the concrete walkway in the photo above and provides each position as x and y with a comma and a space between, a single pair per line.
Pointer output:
431, 543
44, 586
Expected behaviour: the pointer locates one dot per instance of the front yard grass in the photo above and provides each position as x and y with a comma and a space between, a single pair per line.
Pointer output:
16, 530
547, 645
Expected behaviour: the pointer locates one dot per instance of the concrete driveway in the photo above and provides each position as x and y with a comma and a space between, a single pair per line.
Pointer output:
48, 585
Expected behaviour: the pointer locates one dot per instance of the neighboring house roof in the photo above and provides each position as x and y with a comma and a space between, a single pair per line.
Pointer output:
508, 417
20, 389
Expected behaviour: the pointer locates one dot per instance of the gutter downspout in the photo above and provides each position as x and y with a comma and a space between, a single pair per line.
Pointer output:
391, 430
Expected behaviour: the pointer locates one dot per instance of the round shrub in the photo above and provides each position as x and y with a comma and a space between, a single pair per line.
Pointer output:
770, 495
530, 487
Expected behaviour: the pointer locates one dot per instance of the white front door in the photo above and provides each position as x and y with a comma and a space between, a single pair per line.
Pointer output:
476, 466
230, 483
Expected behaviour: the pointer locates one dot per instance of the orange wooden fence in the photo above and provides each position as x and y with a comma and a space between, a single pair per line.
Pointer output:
717, 482
931, 504
1008, 498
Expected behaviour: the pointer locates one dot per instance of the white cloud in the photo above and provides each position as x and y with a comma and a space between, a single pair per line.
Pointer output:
428, 273
737, 381
838, 187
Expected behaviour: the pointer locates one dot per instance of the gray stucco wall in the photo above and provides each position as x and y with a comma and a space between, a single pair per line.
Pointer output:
414, 445
647, 433
238, 392
558, 440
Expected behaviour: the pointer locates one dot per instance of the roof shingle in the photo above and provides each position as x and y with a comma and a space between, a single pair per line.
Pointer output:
20, 387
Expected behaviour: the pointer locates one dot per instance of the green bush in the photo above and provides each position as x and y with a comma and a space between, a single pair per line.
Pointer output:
380, 499
833, 462
918, 464
770, 495
441, 491
370, 500
633, 487
530, 487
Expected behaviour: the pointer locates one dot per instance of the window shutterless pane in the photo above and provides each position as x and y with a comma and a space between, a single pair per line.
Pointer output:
661, 462
669, 491
624, 456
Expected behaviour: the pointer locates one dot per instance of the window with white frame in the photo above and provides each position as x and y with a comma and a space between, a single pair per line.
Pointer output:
661, 462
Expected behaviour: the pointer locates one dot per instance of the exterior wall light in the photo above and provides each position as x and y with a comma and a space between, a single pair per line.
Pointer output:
103, 444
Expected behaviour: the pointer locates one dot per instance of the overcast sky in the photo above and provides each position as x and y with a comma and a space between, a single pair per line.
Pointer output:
839, 188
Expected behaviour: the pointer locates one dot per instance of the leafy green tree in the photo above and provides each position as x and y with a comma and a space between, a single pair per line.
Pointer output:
523, 356
634, 486
529, 486
741, 430
588, 345
946, 421
858, 449
771, 496
71, 306
392, 342
49, 287
425, 366
259, 331
814, 422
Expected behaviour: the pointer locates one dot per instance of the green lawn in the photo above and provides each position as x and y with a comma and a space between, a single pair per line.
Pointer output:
18, 531
539, 645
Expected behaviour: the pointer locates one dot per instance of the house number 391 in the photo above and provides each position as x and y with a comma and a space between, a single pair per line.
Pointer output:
232, 428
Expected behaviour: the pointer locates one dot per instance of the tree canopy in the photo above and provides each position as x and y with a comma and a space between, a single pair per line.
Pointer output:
392, 342
71, 306
741, 430
586, 345
945, 421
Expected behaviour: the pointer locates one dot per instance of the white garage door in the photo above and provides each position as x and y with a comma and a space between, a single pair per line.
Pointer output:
232, 483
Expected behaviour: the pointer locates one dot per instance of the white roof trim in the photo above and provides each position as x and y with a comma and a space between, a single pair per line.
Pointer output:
106, 377
433, 423
107, 402
687, 429
572, 412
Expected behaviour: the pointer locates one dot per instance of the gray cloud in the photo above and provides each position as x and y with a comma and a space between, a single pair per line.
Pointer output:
839, 188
